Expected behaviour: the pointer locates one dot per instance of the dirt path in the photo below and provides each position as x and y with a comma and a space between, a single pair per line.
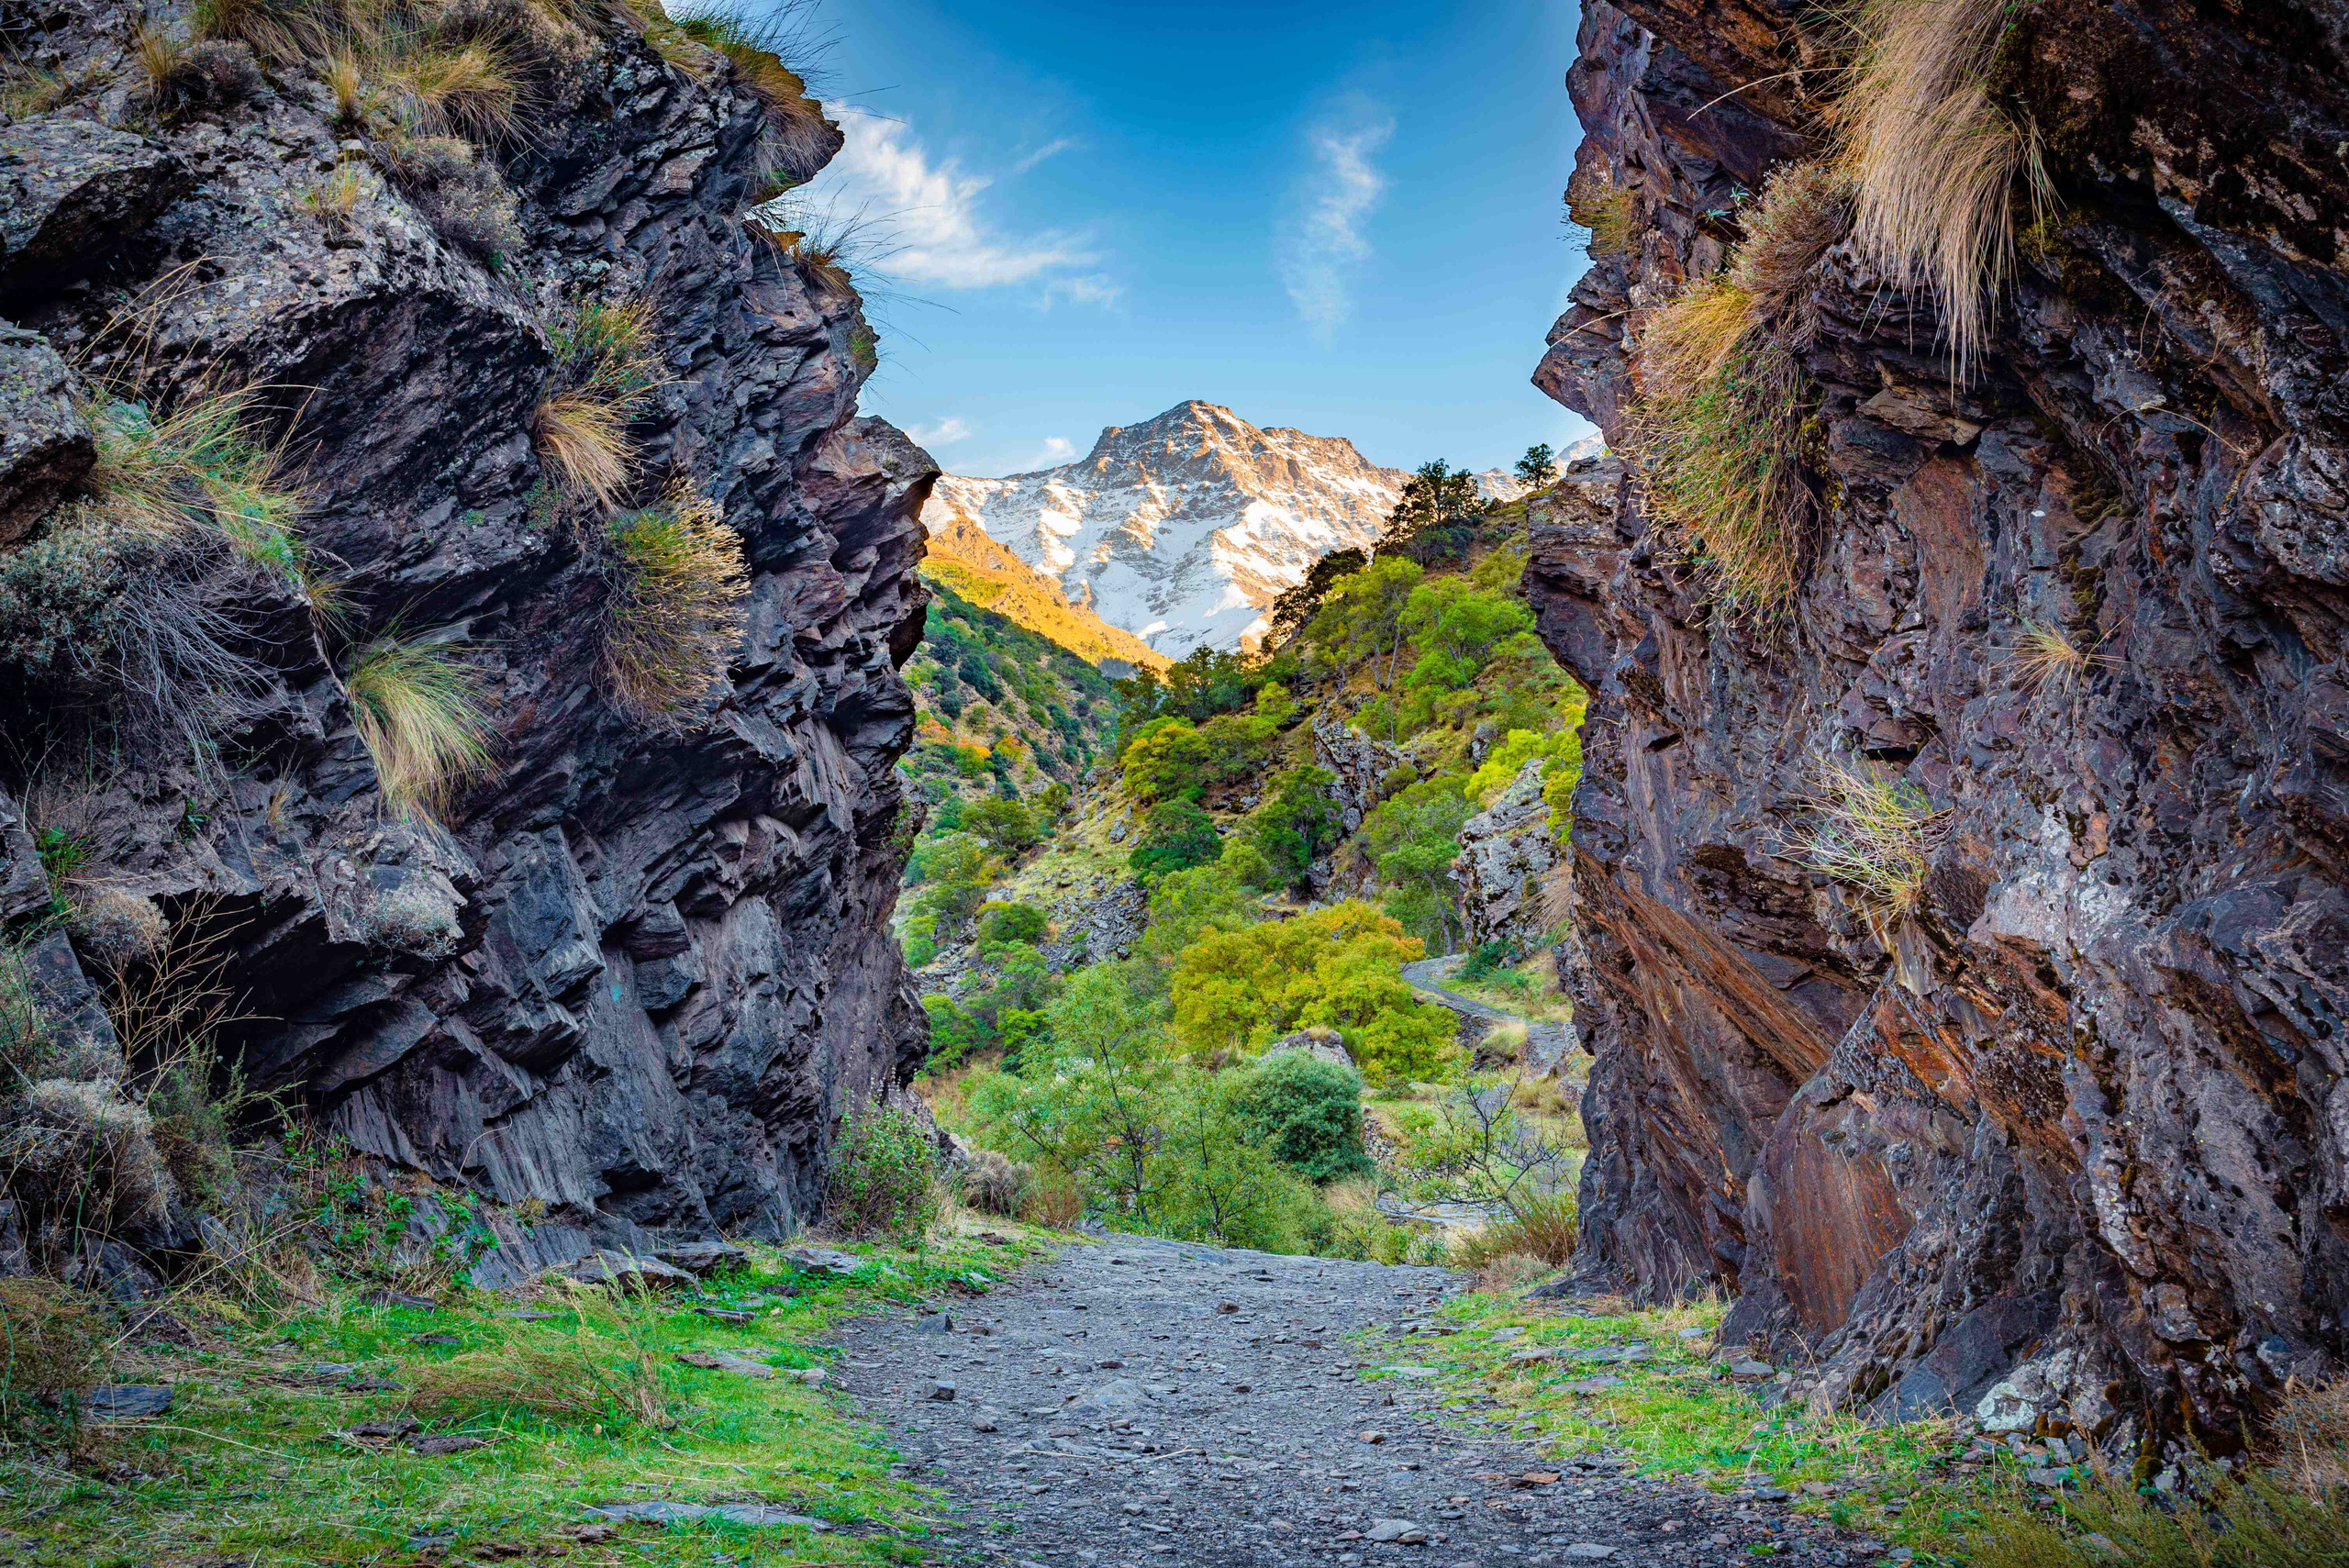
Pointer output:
1546, 1042
1143, 1402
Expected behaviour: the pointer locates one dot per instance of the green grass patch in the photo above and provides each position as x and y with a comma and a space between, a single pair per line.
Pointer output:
252, 1460
1676, 1414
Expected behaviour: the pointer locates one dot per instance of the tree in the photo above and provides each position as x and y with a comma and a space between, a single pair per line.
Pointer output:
1296, 606
1538, 466
1297, 823
1164, 758
1176, 835
1433, 518
1361, 620
1006, 826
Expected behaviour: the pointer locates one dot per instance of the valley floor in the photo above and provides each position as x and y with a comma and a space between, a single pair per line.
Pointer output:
1144, 1401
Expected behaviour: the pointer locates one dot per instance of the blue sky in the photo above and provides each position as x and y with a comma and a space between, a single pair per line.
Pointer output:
1341, 218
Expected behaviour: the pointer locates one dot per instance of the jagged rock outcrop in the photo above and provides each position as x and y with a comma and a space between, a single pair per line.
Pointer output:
1507, 857
633, 977
2063, 1142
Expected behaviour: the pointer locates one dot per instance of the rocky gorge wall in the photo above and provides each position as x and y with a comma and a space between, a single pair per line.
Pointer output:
2062, 1142
633, 977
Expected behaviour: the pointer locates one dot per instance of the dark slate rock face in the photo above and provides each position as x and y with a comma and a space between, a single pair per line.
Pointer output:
652, 967
2066, 1144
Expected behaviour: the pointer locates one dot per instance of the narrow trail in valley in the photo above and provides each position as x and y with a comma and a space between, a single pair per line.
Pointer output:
1546, 1042
1143, 1402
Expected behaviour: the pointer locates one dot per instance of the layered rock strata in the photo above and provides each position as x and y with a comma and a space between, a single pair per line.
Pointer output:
2062, 1142
633, 976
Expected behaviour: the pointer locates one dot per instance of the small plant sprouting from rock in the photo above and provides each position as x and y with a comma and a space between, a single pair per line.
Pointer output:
884, 1176
1874, 834
2046, 657
412, 918
678, 584
753, 43
418, 705
333, 200
1603, 211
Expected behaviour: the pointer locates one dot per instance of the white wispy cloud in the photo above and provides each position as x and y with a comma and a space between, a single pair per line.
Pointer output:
1051, 148
942, 234
1092, 288
945, 433
1056, 450
1319, 246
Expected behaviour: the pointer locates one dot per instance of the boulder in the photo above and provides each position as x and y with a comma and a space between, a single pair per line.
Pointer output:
70, 191
44, 445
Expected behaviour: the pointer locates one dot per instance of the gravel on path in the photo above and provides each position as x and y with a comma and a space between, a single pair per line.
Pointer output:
1143, 1402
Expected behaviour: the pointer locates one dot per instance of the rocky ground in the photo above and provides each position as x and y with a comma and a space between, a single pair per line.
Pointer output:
1143, 1401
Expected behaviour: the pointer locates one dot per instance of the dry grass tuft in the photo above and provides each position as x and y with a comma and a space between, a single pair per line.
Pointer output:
1605, 212
1933, 160
796, 139
994, 1182
333, 199
199, 465
468, 89
1055, 1201
675, 615
582, 437
1696, 338
1544, 1228
159, 55
27, 92
1804, 209
1874, 834
418, 707
2046, 659
1717, 458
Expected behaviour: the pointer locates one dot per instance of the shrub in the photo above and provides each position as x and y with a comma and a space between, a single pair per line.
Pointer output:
24, 1034
1874, 834
418, 707
678, 583
115, 928
208, 75
994, 1184
78, 1151
411, 919
464, 200
1804, 209
2253, 1520
885, 1175
1011, 923
1307, 1113
53, 1345
1175, 836
1934, 160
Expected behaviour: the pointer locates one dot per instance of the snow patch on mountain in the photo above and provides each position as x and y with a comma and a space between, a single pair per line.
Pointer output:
1183, 528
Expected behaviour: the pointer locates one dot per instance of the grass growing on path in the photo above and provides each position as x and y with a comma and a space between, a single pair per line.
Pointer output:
252, 1462
1675, 1413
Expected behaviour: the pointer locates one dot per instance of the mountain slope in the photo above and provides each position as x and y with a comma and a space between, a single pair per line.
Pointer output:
1182, 528
963, 557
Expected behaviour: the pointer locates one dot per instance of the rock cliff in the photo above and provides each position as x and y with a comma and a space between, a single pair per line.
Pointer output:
631, 973
2054, 1131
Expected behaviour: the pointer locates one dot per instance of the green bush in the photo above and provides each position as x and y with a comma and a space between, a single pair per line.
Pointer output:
1307, 1113
1011, 923
1175, 836
884, 1176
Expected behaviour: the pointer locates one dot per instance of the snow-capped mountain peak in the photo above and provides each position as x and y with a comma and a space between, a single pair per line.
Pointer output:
1184, 527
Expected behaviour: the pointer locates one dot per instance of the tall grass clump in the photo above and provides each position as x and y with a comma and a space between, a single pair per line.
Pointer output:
1934, 161
2046, 657
795, 141
884, 1176
1875, 834
418, 705
606, 1368
675, 614
605, 366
